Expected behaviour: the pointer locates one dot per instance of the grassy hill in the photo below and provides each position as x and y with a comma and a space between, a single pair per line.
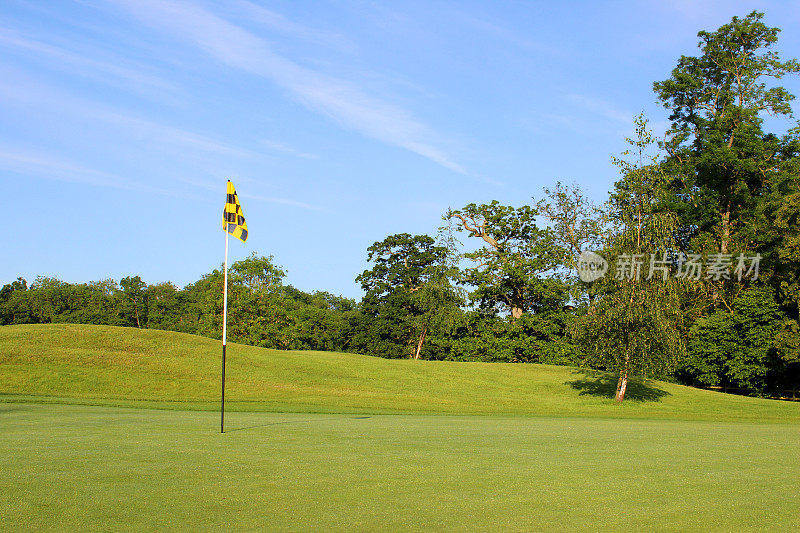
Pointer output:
547, 449
105, 365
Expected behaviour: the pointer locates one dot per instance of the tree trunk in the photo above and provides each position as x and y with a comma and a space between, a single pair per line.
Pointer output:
726, 231
421, 341
622, 384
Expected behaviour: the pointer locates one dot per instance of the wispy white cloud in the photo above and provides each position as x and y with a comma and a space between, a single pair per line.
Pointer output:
612, 118
215, 187
282, 201
565, 121
504, 33
281, 147
122, 76
338, 99
584, 115
17, 88
36, 163
169, 135
276, 21
602, 107
701, 13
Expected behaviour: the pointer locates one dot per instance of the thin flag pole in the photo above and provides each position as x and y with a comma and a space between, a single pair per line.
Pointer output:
224, 336
234, 224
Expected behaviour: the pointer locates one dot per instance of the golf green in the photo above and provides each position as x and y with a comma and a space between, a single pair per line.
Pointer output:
78, 467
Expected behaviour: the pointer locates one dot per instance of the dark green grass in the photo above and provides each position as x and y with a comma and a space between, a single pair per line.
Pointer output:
78, 468
125, 366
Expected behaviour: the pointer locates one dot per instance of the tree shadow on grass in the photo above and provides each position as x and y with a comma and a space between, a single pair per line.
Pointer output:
603, 384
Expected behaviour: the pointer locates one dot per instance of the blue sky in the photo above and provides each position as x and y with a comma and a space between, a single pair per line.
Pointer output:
340, 122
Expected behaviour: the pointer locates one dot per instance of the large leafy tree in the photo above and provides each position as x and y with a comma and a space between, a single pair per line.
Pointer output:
578, 226
134, 300
781, 248
722, 158
13, 303
256, 273
734, 189
577, 223
511, 266
734, 347
165, 307
262, 310
407, 289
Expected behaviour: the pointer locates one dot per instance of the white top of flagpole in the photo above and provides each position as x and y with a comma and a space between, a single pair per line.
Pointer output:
225, 295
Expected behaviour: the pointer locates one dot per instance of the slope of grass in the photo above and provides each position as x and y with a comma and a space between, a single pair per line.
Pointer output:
122, 366
88, 468
546, 448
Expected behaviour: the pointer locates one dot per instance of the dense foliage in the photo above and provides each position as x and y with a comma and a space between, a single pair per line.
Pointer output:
263, 311
716, 188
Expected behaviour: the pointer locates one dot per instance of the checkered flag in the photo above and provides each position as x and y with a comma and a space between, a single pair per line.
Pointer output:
233, 223
232, 218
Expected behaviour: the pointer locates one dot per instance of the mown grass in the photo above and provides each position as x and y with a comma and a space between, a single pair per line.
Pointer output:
124, 366
87, 468
345, 442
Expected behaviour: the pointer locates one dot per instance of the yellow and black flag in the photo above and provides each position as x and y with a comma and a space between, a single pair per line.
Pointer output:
232, 217
233, 223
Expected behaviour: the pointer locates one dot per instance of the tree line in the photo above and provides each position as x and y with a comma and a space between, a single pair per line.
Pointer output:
700, 239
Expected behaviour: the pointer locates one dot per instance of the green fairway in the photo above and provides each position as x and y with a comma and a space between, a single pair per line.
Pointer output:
100, 468
126, 366
109, 428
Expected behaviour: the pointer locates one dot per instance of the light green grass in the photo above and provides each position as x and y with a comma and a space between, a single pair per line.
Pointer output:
493, 447
78, 468
125, 366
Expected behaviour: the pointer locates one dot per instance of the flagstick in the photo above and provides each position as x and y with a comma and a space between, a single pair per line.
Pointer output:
224, 335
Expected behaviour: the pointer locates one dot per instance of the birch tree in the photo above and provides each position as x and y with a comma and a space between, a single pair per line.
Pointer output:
635, 327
